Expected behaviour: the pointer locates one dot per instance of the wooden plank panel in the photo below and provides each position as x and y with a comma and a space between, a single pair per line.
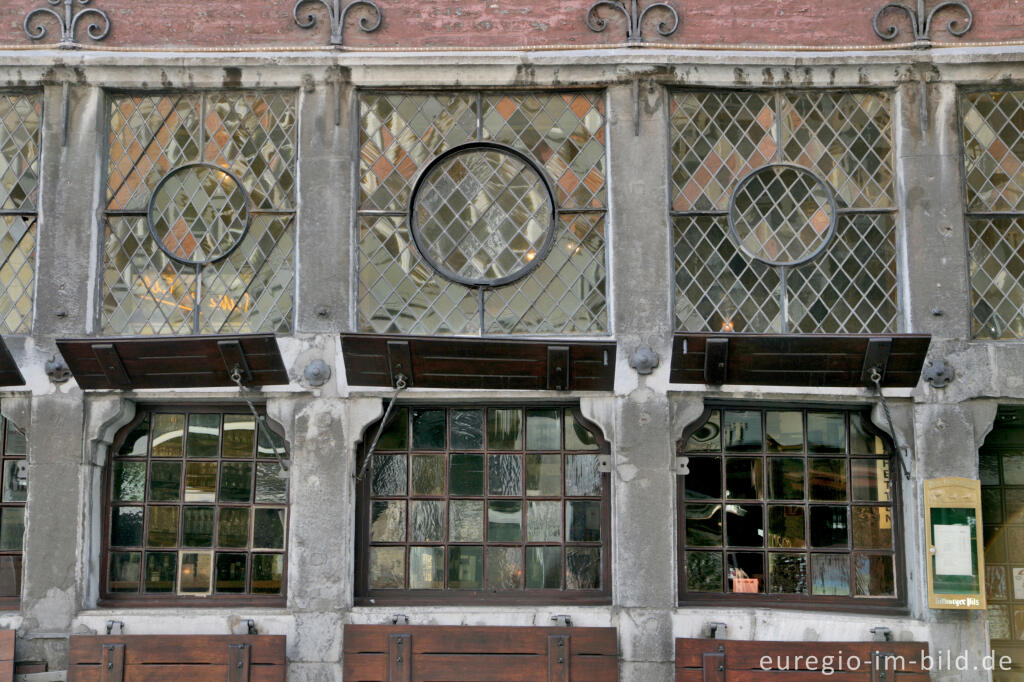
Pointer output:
193, 649
177, 673
239, 660
365, 667
594, 669
6, 645
482, 639
480, 667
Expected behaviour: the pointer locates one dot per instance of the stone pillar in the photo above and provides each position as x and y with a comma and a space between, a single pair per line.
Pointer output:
643, 486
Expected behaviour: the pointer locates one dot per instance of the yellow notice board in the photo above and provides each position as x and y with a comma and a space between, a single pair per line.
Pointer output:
956, 559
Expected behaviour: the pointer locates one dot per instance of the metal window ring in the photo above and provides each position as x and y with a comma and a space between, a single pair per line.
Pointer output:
199, 213
483, 214
782, 214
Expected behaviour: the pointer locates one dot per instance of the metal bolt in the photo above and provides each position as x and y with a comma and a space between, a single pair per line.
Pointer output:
238, 665
398, 660
110, 665
721, 667
560, 660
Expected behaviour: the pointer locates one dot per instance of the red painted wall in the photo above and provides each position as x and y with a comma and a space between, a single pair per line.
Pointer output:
490, 23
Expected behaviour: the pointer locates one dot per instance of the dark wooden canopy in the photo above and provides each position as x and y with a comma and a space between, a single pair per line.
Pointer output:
798, 359
10, 375
436, 362
174, 362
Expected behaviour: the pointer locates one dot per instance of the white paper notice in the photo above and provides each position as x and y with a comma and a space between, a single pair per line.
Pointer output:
952, 550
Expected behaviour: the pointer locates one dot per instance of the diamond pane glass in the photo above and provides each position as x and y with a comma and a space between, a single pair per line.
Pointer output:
847, 139
17, 273
997, 276
19, 151
563, 132
716, 139
993, 130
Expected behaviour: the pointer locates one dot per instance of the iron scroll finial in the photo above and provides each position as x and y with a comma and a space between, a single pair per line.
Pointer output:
336, 15
921, 22
634, 18
68, 22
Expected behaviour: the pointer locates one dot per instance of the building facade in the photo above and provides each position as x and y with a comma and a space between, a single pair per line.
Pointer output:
658, 321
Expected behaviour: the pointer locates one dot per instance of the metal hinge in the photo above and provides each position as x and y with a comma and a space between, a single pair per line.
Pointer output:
682, 466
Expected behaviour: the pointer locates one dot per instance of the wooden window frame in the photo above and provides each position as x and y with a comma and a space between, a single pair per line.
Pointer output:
141, 598
364, 596
865, 604
13, 602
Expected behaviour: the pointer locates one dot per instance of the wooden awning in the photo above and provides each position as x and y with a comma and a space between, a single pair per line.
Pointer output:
798, 359
174, 362
10, 375
437, 362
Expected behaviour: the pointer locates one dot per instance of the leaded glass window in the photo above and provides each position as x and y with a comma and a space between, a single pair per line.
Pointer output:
200, 212
14, 486
993, 133
783, 212
197, 507
504, 232
20, 116
505, 501
788, 505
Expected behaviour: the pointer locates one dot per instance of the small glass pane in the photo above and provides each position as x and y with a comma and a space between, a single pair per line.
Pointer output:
784, 431
577, 436
742, 431
165, 482
989, 469
582, 521
387, 521
16, 480
874, 576
125, 571
396, 435
544, 521
126, 526
543, 568
467, 430
233, 530
467, 475
466, 521
870, 480
200, 481
428, 474
428, 427
160, 570
236, 482
387, 568
997, 582
746, 571
704, 480
707, 437
704, 525
230, 573
999, 621
195, 574
582, 477
1014, 501
704, 572
505, 474
829, 527
543, 430
269, 444
830, 574
504, 429
239, 436
992, 505
203, 435
743, 478
504, 568
862, 440
427, 520
582, 568
135, 443
787, 573
544, 475
426, 568
389, 475
168, 434
828, 479
197, 526
465, 568
17, 444
162, 529
268, 526
872, 528
1013, 469
267, 573
504, 521
744, 525
129, 481
270, 487
826, 432
787, 478
786, 527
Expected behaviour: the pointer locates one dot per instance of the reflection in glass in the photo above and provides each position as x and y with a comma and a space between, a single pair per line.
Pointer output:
428, 429
268, 525
830, 574
467, 475
466, 521
387, 568
743, 478
872, 528
746, 571
267, 573
504, 521
504, 429
195, 573
129, 481
543, 430
708, 436
396, 435
427, 520
236, 482
874, 576
426, 568
704, 525
582, 521
389, 472
165, 482
826, 432
233, 529
467, 431
827, 478
543, 567
744, 524
704, 479
829, 527
387, 521
135, 443
582, 568
786, 527
17, 445
230, 573
126, 526
125, 571
16, 480
505, 474
704, 572
742, 431
504, 568
1013, 469
577, 437
786, 476
465, 567
162, 530
544, 521
168, 432
203, 435
197, 526
870, 480
862, 440
784, 431
239, 436
200, 481
544, 475
160, 569
582, 477
787, 573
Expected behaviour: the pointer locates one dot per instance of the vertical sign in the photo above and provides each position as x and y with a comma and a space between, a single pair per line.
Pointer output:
956, 559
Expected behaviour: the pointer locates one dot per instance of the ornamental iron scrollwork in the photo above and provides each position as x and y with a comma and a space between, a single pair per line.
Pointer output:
634, 17
336, 14
921, 22
68, 22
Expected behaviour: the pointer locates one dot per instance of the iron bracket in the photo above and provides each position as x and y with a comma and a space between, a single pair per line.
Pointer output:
938, 373
682, 466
